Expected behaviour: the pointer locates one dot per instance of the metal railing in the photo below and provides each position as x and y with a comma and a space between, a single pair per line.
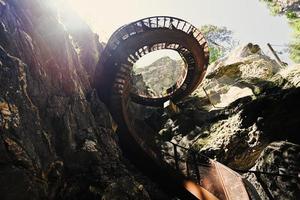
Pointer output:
146, 24
132, 41
191, 161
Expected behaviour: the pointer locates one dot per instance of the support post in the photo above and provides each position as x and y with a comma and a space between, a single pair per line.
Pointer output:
176, 156
187, 168
196, 166
276, 56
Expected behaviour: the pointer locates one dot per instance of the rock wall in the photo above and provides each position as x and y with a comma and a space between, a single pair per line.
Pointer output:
56, 136
244, 72
57, 139
157, 77
256, 131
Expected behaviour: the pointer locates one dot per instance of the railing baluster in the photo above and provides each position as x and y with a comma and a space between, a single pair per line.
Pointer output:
187, 168
183, 26
143, 49
171, 22
176, 156
149, 22
138, 53
196, 166
177, 24
189, 29
197, 35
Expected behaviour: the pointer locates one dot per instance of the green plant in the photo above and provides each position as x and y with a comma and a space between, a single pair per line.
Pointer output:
274, 7
294, 22
294, 46
220, 40
214, 54
291, 15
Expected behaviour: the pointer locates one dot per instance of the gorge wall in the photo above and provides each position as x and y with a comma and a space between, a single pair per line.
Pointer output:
244, 115
57, 139
56, 136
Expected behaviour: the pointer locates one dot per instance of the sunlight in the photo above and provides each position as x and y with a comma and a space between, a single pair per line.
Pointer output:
104, 17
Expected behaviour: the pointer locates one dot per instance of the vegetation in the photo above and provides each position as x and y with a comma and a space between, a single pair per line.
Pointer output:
294, 20
215, 53
220, 41
295, 43
273, 6
291, 15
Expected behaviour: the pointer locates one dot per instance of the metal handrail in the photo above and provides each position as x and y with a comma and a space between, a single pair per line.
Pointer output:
117, 35
193, 152
194, 160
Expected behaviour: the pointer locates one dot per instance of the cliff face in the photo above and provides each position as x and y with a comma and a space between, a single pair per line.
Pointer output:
255, 129
56, 136
57, 139
157, 77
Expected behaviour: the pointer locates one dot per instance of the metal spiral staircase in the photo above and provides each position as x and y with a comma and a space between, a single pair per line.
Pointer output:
188, 176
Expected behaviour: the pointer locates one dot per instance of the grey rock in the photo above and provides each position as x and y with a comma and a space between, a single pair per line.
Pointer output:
56, 136
281, 160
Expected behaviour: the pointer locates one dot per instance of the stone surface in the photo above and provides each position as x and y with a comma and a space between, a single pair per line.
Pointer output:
154, 80
244, 72
249, 131
56, 136
282, 161
125, 189
288, 77
57, 139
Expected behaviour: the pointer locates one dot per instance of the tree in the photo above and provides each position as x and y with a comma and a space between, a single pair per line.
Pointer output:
292, 13
220, 41
294, 46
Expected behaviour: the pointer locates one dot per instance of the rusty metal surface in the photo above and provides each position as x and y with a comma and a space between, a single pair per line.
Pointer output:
211, 175
130, 42
232, 183
200, 179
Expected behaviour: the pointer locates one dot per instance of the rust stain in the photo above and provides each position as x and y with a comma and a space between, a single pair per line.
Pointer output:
199, 191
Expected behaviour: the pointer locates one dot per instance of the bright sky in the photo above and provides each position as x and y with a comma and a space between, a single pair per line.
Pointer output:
249, 19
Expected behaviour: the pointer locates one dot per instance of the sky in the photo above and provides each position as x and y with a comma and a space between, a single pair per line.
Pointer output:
250, 20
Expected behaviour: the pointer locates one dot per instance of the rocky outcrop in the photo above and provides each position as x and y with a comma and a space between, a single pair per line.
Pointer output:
257, 131
57, 139
159, 76
287, 77
246, 71
281, 161
291, 9
56, 136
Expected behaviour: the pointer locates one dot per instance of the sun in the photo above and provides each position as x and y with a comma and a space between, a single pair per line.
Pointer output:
104, 17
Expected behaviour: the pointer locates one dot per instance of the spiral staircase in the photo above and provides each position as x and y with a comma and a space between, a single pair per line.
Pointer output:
186, 175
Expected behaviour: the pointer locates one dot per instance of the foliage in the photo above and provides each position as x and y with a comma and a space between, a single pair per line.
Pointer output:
220, 40
292, 15
215, 54
274, 7
295, 52
294, 46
